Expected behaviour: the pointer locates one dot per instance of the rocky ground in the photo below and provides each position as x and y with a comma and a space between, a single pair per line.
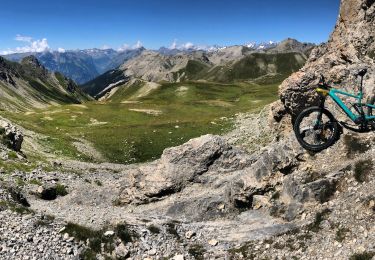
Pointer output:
205, 199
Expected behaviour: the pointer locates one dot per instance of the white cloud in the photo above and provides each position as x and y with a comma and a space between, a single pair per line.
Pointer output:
174, 45
22, 38
31, 46
191, 46
105, 47
184, 46
61, 50
188, 45
126, 47
138, 45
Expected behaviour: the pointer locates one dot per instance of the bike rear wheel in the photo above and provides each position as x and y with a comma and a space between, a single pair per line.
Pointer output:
316, 129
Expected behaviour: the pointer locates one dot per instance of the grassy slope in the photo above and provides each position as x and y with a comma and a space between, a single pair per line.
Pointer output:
251, 67
96, 85
189, 110
38, 86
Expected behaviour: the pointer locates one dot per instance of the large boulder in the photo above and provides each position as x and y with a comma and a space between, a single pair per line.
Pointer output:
181, 166
278, 160
11, 136
350, 48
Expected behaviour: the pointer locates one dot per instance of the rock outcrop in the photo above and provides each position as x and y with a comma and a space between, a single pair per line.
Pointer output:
350, 48
11, 136
182, 166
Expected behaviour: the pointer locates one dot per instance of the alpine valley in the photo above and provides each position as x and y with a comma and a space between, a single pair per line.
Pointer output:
184, 153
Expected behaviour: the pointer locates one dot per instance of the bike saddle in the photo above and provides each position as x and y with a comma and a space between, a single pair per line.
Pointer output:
362, 72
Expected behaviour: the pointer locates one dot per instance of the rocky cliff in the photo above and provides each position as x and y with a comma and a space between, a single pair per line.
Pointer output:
350, 48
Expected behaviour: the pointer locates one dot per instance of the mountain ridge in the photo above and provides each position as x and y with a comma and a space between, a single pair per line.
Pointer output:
28, 84
224, 65
84, 65
80, 65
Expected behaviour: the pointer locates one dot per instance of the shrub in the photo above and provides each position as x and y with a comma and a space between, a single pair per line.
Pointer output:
12, 155
124, 233
154, 229
197, 251
341, 234
99, 183
362, 169
61, 190
95, 237
319, 217
35, 182
362, 256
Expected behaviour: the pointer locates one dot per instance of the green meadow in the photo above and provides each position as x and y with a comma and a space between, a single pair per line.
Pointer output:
131, 129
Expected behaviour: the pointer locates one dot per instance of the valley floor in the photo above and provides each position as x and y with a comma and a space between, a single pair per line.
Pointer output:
137, 125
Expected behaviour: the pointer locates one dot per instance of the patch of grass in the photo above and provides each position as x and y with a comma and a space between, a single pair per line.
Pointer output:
35, 182
44, 220
12, 155
87, 180
306, 236
362, 169
276, 195
125, 234
341, 234
354, 146
98, 182
243, 251
20, 182
362, 256
153, 229
319, 218
197, 251
20, 209
95, 237
371, 54
279, 246
171, 229
11, 166
88, 254
61, 190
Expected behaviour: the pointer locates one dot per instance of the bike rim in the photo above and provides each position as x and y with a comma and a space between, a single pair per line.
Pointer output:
315, 131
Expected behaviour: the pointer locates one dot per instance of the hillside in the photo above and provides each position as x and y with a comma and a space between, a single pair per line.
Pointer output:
81, 65
225, 65
28, 85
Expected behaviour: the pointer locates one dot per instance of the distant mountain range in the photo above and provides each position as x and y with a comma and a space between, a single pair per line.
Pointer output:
28, 84
262, 62
85, 65
80, 65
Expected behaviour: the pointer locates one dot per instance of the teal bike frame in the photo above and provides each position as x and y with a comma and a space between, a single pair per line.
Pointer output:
333, 94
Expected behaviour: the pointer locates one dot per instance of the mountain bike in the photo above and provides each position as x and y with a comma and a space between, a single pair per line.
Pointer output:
317, 129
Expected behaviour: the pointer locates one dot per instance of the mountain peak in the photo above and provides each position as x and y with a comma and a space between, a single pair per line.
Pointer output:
31, 60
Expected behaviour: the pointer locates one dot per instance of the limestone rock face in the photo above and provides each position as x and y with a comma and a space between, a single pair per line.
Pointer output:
180, 167
350, 48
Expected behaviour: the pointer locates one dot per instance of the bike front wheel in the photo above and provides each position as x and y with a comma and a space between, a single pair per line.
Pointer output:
316, 129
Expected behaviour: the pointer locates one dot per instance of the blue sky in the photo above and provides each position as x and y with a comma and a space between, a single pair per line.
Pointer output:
73, 24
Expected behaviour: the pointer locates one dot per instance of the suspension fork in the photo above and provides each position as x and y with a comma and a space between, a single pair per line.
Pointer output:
320, 114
